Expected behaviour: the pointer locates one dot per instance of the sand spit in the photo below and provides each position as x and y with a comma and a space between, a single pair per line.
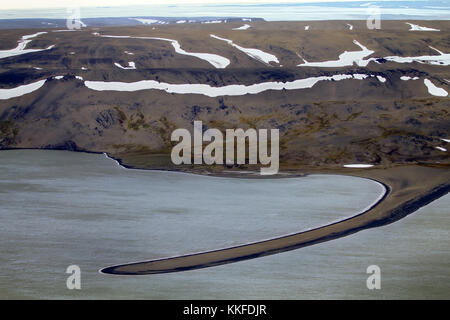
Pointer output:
409, 188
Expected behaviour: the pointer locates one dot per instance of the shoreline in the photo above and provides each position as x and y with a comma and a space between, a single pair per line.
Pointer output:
387, 210
407, 188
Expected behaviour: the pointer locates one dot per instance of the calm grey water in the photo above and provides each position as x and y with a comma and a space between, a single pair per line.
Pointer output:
275, 11
60, 208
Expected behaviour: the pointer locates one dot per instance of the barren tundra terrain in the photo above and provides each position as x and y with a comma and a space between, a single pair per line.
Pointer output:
338, 94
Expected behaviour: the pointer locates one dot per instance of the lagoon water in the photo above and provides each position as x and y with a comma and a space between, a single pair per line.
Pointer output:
60, 208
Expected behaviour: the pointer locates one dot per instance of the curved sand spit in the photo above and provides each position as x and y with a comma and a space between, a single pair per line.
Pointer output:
408, 189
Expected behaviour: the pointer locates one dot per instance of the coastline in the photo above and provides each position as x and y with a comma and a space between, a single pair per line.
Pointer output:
407, 188
404, 195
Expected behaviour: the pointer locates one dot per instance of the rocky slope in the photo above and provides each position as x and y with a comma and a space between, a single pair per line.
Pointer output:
381, 121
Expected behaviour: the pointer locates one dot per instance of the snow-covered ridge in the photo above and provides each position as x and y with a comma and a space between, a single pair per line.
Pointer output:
202, 89
214, 59
349, 57
443, 59
207, 90
22, 43
253, 53
415, 27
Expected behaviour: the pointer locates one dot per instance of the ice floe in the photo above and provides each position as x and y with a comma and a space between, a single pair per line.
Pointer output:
20, 90
131, 66
358, 165
415, 27
433, 90
20, 49
244, 27
207, 90
348, 58
214, 59
253, 53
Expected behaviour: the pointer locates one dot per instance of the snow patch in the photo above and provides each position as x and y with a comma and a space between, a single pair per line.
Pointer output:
253, 53
406, 78
207, 90
433, 90
244, 27
348, 58
358, 165
20, 49
131, 66
20, 90
415, 27
214, 59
